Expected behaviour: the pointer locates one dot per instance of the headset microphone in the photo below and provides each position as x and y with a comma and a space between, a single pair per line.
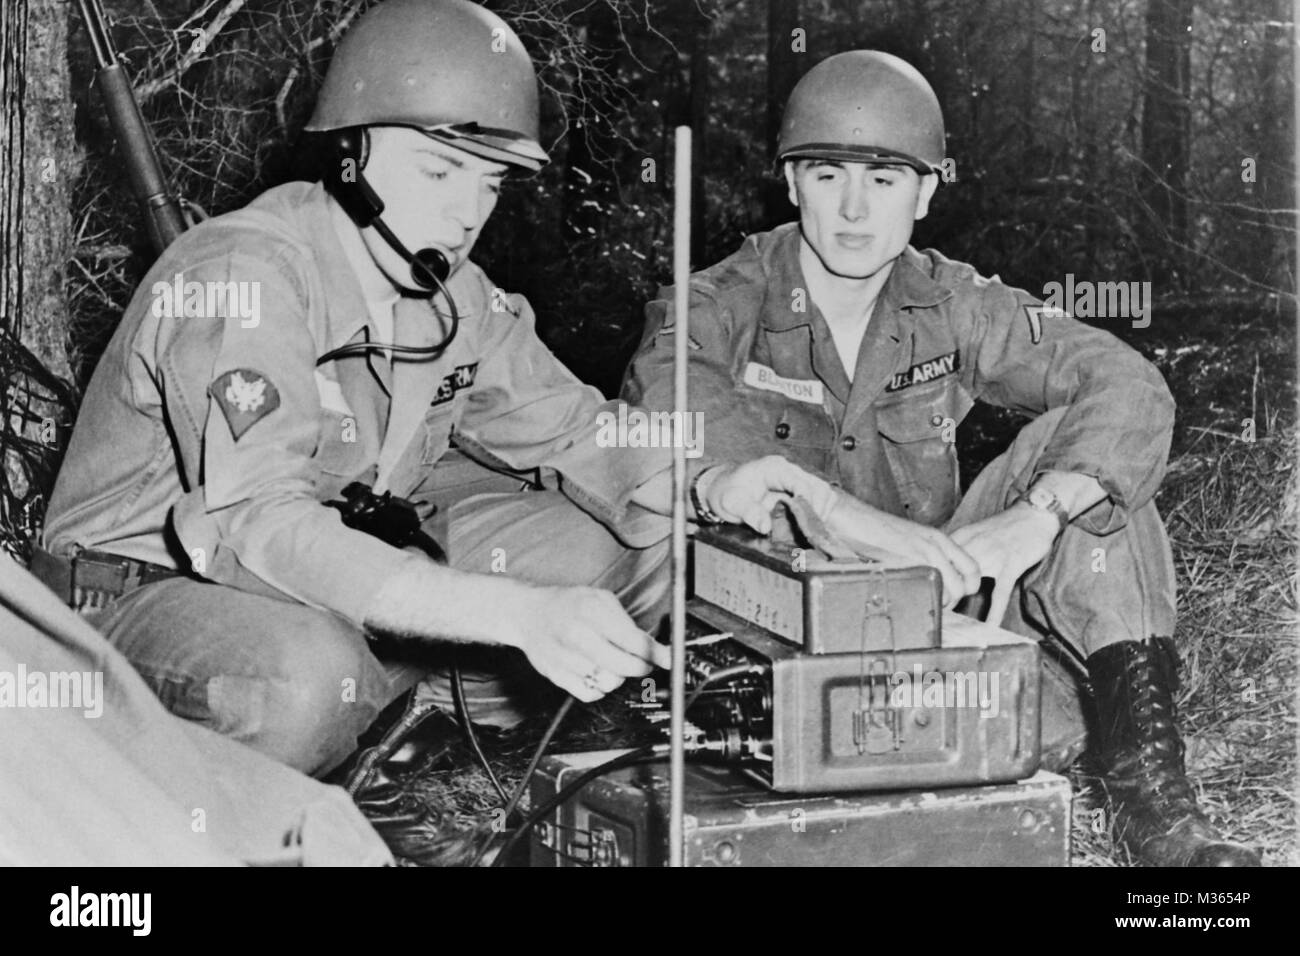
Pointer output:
430, 263
429, 267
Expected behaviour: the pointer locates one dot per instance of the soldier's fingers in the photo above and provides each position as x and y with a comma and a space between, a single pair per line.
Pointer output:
953, 585
568, 671
614, 659
774, 498
619, 630
1000, 601
963, 563
758, 518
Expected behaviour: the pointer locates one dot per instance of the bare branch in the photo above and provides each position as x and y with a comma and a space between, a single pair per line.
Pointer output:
202, 40
330, 37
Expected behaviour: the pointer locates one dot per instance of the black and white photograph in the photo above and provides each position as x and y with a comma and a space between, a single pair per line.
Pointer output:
647, 434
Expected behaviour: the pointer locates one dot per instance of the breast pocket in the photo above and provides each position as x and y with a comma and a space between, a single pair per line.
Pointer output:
764, 422
920, 432
439, 421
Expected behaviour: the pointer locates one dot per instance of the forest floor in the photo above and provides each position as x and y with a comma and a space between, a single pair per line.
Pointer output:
1230, 505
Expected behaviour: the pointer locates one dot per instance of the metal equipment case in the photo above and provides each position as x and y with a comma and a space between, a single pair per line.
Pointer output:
620, 819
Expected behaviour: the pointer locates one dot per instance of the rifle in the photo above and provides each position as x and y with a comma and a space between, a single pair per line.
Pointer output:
161, 207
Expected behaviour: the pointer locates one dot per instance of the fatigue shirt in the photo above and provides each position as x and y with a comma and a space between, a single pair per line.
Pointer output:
160, 469
767, 379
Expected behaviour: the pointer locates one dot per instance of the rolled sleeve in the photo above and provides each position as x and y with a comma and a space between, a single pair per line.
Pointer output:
1119, 417
250, 517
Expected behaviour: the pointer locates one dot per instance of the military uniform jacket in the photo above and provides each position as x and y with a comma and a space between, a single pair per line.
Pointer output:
209, 442
767, 379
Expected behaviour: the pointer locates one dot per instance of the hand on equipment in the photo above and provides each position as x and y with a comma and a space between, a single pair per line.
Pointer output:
857, 522
746, 494
1005, 546
581, 640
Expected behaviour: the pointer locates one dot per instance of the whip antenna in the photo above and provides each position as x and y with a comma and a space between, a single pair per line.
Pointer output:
681, 311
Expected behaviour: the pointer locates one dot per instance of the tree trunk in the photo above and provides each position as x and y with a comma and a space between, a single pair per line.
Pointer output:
785, 65
38, 165
1166, 127
699, 121
1275, 169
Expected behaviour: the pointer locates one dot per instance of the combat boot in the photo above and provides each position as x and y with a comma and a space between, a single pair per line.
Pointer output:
411, 738
1141, 752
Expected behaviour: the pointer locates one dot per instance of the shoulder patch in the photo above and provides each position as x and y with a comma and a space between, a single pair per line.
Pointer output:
245, 397
1036, 313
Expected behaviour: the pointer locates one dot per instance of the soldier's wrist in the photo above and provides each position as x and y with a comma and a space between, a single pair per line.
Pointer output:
426, 601
1043, 502
699, 490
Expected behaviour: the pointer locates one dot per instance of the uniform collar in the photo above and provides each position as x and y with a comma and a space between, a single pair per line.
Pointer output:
345, 307
909, 284
779, 260
346, 313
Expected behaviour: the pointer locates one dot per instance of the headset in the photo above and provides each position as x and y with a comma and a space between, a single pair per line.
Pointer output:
349, 149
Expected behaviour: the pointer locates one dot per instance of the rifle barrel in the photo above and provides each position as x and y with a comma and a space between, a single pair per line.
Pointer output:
92, 15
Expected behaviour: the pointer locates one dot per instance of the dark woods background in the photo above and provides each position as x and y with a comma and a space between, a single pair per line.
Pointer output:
1118, 165
1118, 140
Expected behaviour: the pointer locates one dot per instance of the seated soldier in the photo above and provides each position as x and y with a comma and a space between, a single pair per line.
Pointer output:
832, 341
190, 518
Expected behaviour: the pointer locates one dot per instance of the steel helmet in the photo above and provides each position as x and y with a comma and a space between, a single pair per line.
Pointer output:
864, 106
447, 67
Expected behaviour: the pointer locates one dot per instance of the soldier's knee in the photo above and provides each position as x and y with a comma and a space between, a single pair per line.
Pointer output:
1098, 589
324, 689
639, 577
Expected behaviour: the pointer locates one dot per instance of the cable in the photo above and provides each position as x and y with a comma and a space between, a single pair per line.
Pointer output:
522, 787
462, 711
546, 806
430, 351
535, 815
545, 742
635, 756
725, 673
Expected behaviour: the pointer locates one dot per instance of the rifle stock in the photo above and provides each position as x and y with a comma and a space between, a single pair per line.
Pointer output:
161, 208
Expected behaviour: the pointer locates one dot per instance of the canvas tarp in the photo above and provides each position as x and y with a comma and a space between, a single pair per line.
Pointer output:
135, 785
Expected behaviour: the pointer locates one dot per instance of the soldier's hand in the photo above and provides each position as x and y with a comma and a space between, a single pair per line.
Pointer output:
746, 494
581, 640
860, 523
1007, 545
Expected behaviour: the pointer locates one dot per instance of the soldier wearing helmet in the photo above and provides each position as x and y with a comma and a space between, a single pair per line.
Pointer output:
832, 341
331, 336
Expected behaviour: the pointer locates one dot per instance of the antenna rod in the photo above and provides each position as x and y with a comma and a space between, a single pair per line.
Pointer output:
681, 318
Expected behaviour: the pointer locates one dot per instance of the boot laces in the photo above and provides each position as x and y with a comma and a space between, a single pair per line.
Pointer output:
1157, 768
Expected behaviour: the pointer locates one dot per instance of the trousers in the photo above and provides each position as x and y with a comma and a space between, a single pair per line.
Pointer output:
1091, 590
301, 684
